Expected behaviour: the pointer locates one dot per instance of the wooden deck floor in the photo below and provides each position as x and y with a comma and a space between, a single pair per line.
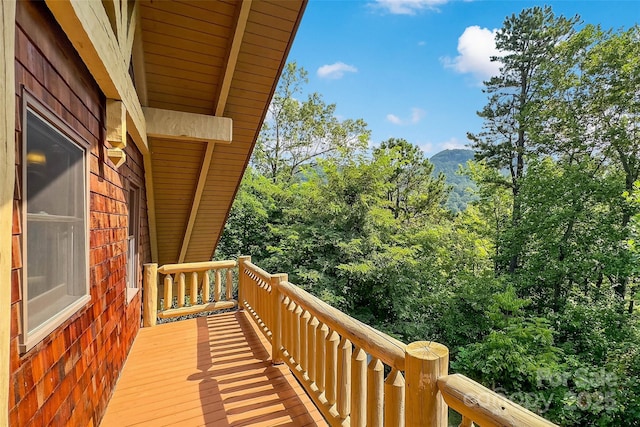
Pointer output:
210, 371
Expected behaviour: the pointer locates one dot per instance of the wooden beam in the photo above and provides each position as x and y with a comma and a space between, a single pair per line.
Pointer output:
151, 206
180, 125
225, 86
139, 72
197, 198
131, 22
88, 28
7, 182
232, 59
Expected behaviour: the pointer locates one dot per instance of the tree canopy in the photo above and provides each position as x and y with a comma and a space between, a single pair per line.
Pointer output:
531, 286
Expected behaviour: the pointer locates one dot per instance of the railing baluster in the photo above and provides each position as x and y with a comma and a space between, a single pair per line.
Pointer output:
290, 332
375, 393
321, 338
333, 339
216, 290
344, 378
168, 292
206, 294
284, 316
312, 355
304, 358
466, 422
296, 334
193, 295
358, 388
394, 399
229, 284
181, 290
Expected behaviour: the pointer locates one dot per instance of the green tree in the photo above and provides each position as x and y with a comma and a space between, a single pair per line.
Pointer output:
526, 41
413, 193
297, 133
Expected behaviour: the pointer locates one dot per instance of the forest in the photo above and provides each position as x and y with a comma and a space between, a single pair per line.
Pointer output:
532, 285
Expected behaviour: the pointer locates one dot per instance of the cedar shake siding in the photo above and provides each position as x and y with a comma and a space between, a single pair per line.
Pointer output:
68, 377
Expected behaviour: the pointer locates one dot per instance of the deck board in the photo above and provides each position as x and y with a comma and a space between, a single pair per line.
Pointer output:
209, 371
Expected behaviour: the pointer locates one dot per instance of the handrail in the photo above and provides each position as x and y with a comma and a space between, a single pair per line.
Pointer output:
195, 266
484, 406
378, 344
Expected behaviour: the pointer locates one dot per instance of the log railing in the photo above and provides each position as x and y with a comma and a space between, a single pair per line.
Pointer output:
342, 362
188, 288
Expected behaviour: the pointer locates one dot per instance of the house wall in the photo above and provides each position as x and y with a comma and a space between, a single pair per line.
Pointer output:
68, 377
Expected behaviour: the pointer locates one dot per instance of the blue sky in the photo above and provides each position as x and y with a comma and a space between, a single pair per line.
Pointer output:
413, 69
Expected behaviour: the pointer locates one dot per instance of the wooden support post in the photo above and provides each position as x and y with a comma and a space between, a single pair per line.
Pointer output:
359, 388
394, 400
241, 280
150, 295
425, 362
276, 329
375, 393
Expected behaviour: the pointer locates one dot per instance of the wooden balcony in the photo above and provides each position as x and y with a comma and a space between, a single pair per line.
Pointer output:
209, 371
238, 368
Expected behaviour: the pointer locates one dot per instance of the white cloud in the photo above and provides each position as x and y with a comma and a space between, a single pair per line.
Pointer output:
394, 119
451, 144
335, 70
416, 115
407, 7
475, 47
426, 147
430, 148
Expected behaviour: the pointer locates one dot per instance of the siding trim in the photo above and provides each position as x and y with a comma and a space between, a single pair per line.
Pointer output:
7, 184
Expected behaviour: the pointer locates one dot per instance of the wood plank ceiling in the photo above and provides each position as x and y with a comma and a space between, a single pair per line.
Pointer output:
191, 64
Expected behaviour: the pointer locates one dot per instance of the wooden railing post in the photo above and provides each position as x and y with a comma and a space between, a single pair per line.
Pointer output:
241, 281
425, 362
276, 330
150, 289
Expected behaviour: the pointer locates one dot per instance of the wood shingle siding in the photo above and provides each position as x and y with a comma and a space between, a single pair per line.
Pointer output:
67, 378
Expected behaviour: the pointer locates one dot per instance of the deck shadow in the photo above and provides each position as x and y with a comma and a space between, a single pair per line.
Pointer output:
251, 390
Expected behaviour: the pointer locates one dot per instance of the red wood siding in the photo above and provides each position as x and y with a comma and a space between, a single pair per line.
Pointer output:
68, 378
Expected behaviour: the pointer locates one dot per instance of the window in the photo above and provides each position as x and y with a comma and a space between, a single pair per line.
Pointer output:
132, 240
55, 236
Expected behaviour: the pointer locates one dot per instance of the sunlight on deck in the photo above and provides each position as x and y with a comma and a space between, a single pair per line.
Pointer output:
210, 371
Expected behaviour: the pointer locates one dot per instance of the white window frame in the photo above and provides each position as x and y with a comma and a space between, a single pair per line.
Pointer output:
133, 242
29, 339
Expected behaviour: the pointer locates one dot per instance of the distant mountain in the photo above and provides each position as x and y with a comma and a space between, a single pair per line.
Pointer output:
448, 162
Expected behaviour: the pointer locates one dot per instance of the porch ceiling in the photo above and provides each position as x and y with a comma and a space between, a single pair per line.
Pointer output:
218, 58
